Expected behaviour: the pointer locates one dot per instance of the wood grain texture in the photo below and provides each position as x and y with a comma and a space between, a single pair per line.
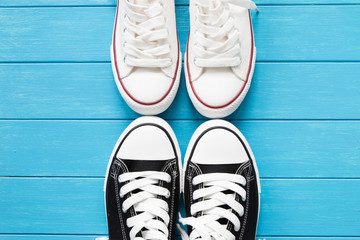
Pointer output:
75, 206
283, 149
282, 33
92, 237
61, 114
48, 237
23, 3
83, 91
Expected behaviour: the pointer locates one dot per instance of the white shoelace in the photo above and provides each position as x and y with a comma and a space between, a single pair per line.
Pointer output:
146, 36
152, 218
211, 206
216, 36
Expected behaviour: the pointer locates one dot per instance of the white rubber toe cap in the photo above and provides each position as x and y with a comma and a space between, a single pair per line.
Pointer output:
146, 142
217, 87
147, 85
219, 146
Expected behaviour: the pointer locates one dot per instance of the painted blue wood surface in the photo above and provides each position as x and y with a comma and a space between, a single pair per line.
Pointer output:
283, 149
23, 3
92, 237
83, 91
282, 33
60, 115
75, 206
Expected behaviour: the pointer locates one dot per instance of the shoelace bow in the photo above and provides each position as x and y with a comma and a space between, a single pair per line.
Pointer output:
146, 37
216, 36
211, 207
152, 218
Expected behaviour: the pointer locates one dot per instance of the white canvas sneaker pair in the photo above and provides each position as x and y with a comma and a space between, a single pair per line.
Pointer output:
144, 180
219, 61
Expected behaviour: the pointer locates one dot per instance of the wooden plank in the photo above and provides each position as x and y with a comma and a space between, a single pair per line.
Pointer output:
93, 237
82, 91
75, 206
307, 238
26, 3
70, 206
303, 33
283, 149
49, 237
282, 33
310, 2
324, 206
55, 34
51, 3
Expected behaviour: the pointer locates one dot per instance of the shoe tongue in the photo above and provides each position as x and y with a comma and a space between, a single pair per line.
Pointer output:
144, 165
219, 168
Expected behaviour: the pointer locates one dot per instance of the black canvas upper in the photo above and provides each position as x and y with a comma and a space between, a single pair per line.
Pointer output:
115, 217
246, 169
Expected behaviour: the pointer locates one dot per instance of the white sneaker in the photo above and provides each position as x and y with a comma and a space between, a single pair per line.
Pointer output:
142, 184
145, 54
220, 55
221, 184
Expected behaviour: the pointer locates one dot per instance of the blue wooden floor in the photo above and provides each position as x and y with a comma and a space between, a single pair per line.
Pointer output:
61, 114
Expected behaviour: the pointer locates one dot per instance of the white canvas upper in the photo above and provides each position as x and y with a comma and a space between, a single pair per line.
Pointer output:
214, 82
145, 54
144, 89
220, 55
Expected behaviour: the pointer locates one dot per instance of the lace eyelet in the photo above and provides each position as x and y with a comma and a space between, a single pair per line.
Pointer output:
124, 58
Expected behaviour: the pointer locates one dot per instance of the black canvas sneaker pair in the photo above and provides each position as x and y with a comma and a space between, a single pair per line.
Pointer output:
144, 179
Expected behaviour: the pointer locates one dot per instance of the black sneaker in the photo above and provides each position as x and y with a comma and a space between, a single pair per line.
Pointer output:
221, 184
142, 184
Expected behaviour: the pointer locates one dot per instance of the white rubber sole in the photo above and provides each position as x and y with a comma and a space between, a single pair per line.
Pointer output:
133, 124
219, 112
218, 123
153, 109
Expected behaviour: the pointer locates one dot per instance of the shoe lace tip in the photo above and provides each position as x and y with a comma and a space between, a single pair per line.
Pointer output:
181, 219
183, 234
